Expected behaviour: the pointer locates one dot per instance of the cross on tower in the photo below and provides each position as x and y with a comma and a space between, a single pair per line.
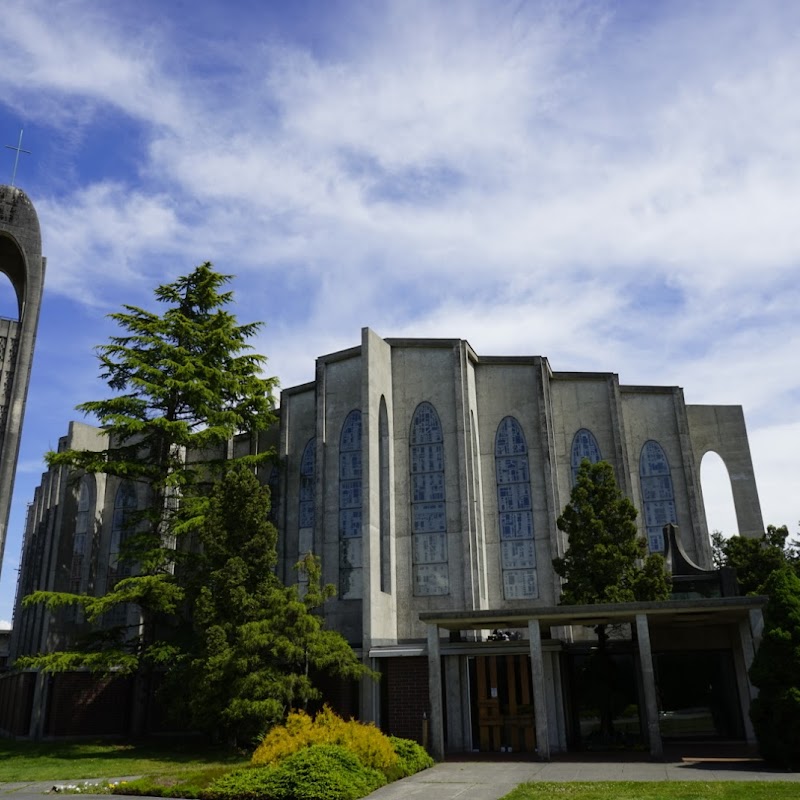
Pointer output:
19, 150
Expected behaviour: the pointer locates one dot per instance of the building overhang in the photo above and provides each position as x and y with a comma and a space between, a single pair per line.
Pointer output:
668, 613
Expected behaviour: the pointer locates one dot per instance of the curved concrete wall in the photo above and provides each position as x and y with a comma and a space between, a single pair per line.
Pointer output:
21, 260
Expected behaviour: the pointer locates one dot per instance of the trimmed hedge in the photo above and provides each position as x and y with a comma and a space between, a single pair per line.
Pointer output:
318, 772
412, 757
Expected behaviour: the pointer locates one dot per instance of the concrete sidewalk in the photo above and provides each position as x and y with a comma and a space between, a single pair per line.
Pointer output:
490, 780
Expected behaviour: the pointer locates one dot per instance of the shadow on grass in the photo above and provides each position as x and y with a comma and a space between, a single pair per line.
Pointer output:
171, 751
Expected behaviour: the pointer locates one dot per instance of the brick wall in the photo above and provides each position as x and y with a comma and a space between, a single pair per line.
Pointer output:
16, 701
340, 694
83, 704
404, 695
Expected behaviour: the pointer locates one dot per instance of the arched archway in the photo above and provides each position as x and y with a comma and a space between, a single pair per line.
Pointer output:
715, 482
9, 308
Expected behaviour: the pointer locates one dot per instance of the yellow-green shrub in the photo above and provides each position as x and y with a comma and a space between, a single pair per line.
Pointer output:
283, 740
372, 748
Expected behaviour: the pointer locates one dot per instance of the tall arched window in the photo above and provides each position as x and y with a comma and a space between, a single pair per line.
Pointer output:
657, 495
517, 547
428, 514
384, 504
350, 558
584, 445
305, 511
122, 523
307, 468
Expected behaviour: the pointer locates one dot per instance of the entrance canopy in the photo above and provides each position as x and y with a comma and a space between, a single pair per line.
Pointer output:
742, 613
707, 611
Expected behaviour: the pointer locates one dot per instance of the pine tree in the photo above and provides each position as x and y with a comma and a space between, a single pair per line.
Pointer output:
184, 382
602, 564
776, 672
258, 643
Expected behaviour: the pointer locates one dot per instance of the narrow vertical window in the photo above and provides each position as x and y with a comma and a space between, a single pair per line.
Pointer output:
385, 519
125, 503
305, 513
584, 445
515, 512
350, 560
658, 497
478, 516
428, 511
80, 539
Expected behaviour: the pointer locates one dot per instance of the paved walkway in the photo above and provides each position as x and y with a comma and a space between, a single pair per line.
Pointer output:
482, 780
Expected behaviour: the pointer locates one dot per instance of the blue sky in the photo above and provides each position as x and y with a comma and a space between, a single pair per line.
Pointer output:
613, 185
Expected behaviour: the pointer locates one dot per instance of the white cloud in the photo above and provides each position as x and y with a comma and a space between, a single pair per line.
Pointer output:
614, 187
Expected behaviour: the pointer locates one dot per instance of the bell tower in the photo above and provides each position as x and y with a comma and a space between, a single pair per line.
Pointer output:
22, 263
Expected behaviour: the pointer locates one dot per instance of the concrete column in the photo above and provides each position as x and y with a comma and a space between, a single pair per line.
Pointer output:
743, 659
436, 722
649, 686
39, 707
539, 694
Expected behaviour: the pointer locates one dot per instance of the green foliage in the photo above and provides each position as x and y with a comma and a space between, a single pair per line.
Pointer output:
776, 672
182, 381
656, 790
319, 772
412, 757
172, 760
257, 641
365, 741
600, 565
755, 559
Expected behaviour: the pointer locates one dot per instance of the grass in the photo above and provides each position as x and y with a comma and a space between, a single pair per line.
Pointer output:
46, 761
666, 790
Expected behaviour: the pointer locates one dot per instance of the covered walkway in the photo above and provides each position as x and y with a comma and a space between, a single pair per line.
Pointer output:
739, 616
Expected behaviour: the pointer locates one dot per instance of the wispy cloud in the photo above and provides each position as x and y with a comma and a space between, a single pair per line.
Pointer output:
614, 186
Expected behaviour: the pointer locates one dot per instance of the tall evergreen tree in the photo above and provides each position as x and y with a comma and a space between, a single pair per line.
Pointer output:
184, 382
776, 672
258, 643
602, 561
606, 562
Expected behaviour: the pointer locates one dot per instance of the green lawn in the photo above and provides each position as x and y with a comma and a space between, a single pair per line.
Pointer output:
666, 790
45, 761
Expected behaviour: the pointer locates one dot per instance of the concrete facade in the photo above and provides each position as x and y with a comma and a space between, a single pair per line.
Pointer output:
22, 263
429, 480
472, 395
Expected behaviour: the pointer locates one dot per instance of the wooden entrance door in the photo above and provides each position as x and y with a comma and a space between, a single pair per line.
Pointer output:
504, 703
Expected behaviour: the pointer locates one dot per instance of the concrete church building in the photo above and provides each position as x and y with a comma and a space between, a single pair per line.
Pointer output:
429, 479
22, 263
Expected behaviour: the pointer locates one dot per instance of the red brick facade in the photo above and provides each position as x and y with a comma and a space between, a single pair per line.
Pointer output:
16, 701
404, 695
83, 704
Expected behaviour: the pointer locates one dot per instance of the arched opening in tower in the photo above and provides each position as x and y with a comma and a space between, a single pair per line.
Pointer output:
718, 495
12, 279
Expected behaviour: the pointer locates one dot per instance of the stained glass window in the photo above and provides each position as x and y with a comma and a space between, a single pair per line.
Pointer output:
657, 495
350, 561
517, 547
428, 509
584, 445
307, 465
